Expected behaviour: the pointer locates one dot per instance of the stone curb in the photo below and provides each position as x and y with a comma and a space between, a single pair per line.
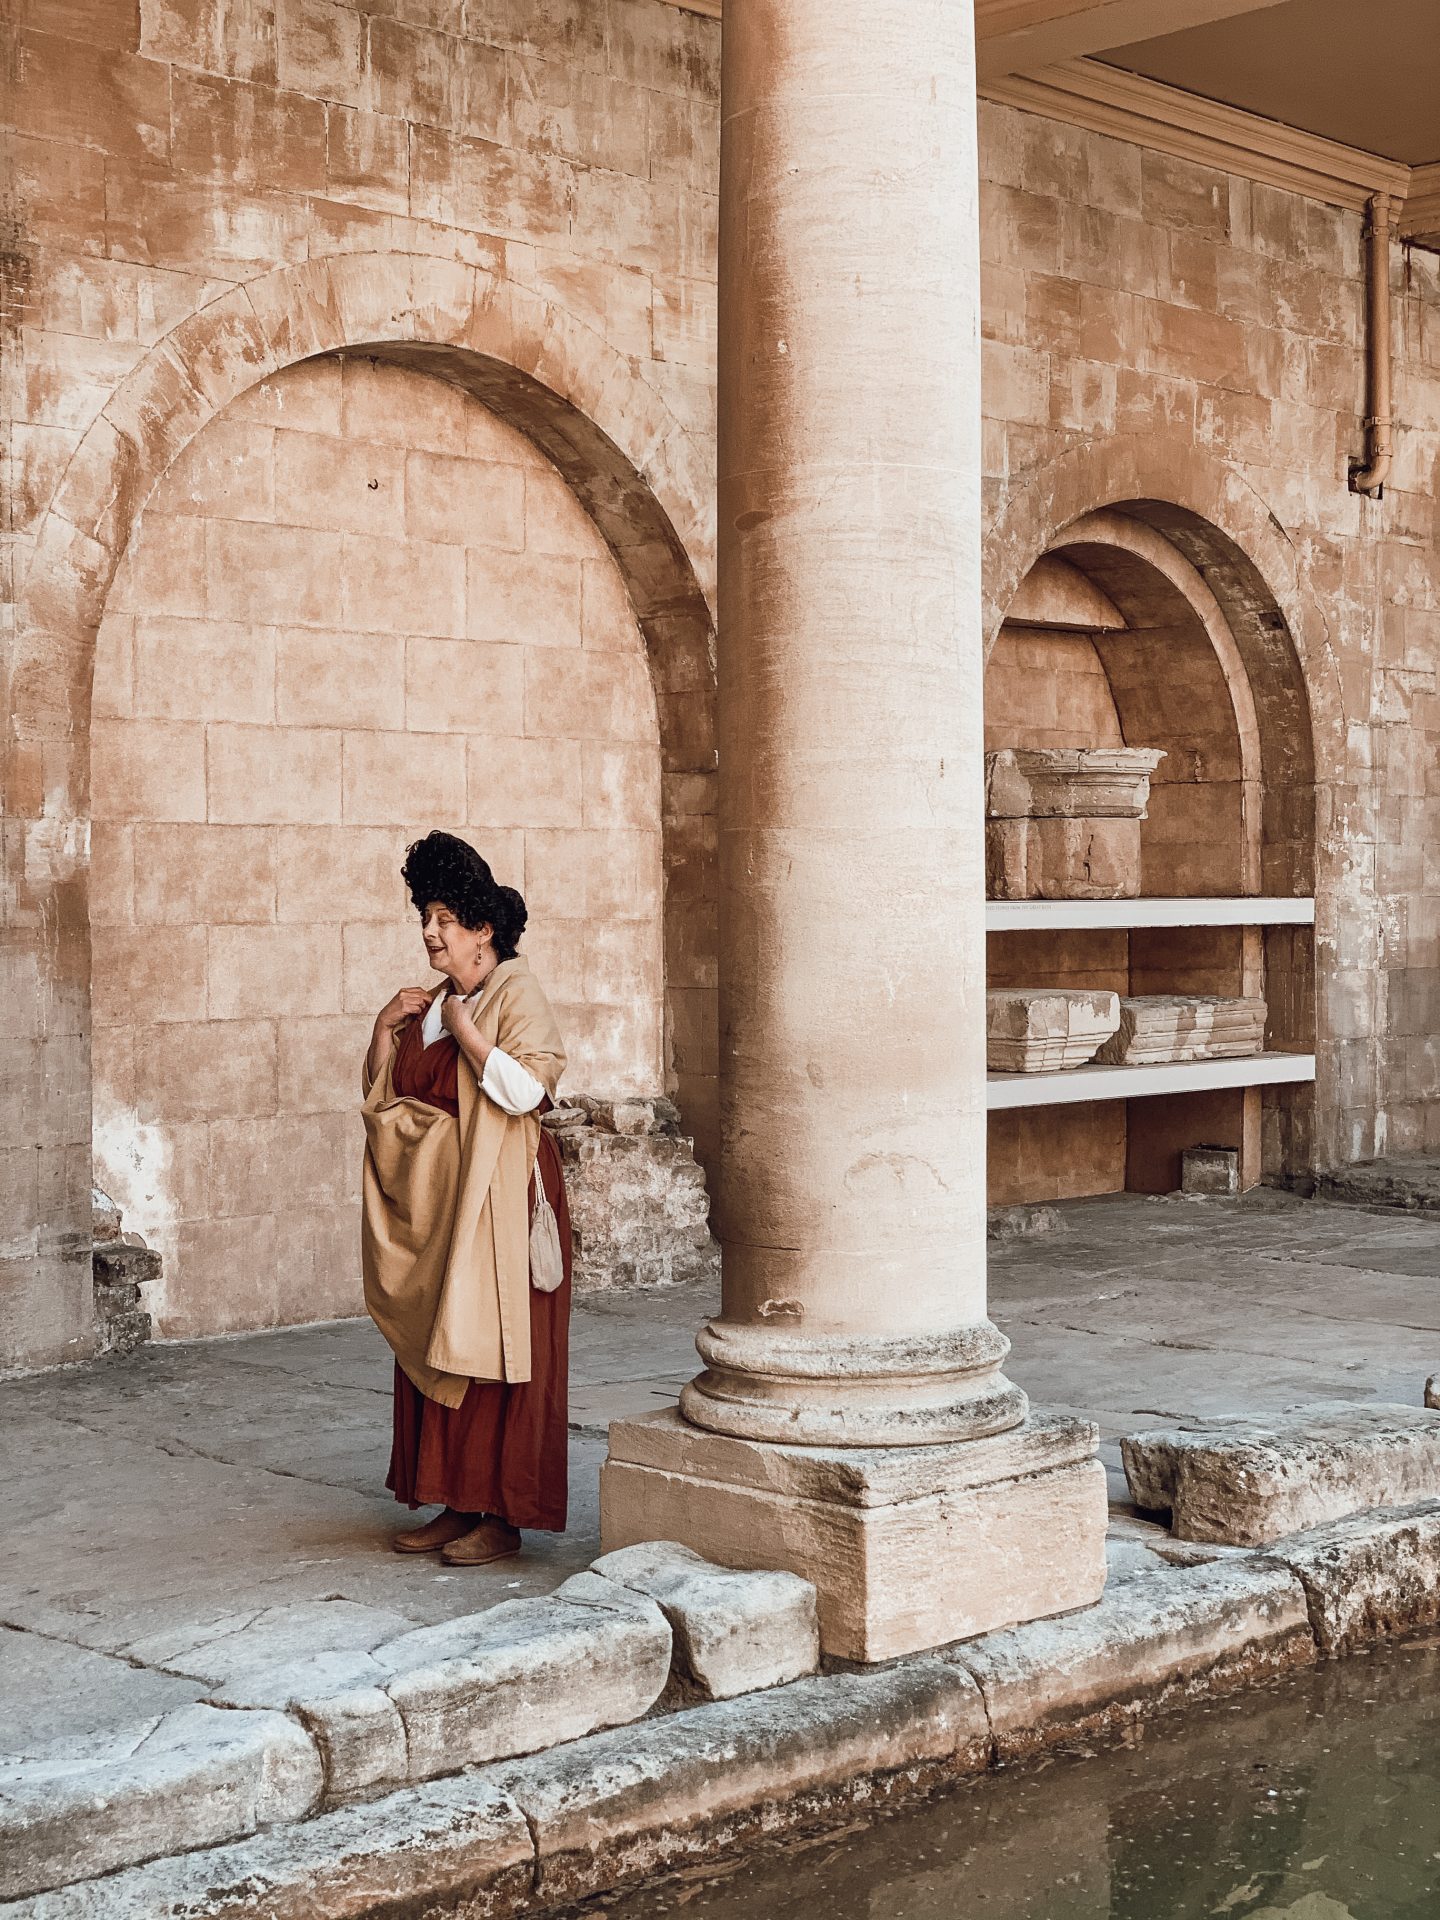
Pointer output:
1369, 1575
191, 1779
521, 1677
615, 1807
1152, 1642
517, 1838
309, 1734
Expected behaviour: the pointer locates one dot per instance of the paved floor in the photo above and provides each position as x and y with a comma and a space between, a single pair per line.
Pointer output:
174, 1517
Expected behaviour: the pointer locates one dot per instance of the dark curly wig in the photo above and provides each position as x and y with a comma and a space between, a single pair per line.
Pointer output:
442, 868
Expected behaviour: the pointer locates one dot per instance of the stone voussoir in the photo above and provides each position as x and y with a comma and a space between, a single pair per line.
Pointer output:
735, 1632
1368, 1575
197, 1777
1154, 1641
1249, 1482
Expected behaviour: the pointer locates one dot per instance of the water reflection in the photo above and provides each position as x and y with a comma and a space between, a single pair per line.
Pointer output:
1316, 1800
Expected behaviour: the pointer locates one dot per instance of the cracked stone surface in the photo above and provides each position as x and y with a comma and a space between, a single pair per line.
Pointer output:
192, 1515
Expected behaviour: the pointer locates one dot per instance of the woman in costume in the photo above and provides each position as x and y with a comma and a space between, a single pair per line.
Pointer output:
456, 1080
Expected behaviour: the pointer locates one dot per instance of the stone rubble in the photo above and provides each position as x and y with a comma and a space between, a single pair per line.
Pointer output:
1029, 1030
122, 1266
1249, 1482
639, 1209
1162, 1028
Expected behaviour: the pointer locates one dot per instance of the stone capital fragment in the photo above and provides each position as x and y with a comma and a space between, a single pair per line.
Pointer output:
1069, 783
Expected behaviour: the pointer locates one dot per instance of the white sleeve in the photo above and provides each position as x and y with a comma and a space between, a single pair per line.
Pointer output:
513, 1088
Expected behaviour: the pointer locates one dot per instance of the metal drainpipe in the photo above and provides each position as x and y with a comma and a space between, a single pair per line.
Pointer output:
1371, 477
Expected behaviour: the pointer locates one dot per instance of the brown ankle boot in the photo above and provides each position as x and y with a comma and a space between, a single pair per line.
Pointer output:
492, 1540
435, 1534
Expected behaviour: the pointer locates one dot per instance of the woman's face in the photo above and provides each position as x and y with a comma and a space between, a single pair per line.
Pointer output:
453, 948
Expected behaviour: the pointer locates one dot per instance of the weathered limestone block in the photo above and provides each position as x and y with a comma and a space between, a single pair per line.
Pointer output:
194, 1778
1059, 859
906, 1546
638, 1205
535, 1672
1032, 1031
451, 1846
1369, 1575
641, 1800
1069, 783
1248, 1482
1153, 1641
1161, 1028
1210, 1170
734, 1632
361, 1739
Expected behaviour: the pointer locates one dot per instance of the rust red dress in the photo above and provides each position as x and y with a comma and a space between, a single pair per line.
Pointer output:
504, 1450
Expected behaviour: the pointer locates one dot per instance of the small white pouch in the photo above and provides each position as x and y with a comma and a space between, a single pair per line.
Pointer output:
547, 1262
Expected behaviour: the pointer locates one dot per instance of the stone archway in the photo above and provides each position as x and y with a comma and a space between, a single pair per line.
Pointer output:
637, 470
1205, 526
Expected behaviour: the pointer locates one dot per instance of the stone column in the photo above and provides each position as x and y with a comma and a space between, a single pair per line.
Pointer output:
853, 1377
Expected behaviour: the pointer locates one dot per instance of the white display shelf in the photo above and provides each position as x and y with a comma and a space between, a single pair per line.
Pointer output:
1013, 916
1074, 1084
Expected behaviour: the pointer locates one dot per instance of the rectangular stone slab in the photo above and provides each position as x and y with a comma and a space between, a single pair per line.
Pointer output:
1159, 1029
1091, 859
1069, 783
1246, 1483
1029, 1030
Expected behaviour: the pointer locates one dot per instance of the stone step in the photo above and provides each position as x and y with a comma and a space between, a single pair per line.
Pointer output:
1249, 1482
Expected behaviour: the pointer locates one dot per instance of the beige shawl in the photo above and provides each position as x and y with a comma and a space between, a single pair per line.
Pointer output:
445, 1228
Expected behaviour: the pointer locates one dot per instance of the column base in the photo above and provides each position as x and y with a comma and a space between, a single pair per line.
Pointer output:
907, 1547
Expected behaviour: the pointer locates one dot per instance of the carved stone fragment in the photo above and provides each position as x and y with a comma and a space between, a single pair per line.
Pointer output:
1032, 1031
1159, 1029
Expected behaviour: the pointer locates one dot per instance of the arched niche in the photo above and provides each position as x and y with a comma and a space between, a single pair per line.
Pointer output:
1138, 626
641, 473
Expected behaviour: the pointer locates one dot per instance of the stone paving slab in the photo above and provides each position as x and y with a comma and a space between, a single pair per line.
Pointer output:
669, 1792
169, 1495
49, 1690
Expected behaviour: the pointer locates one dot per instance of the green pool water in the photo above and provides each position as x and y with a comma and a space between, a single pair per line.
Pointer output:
1315, 1799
